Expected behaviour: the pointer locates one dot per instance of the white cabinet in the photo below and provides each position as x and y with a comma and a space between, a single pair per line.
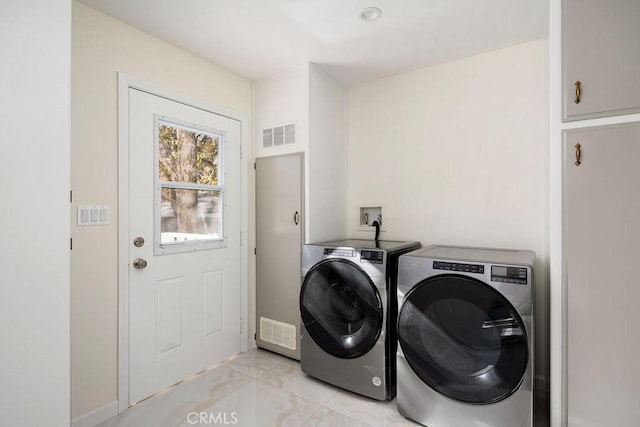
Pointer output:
595, 232
601, 59
602, 249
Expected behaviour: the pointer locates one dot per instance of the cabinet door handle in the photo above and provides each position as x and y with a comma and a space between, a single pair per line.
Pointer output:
578, 155
296, 218
578, 91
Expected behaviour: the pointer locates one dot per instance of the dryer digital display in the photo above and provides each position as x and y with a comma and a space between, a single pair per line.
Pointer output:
500, 273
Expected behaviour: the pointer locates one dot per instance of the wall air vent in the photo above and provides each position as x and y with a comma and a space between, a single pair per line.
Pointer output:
278, 333
267, 138
290, 134
279, 135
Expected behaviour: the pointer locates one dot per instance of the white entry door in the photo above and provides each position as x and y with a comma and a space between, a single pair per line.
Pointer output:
184, 241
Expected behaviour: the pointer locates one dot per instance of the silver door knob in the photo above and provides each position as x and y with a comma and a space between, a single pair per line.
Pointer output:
138, 242
139, 263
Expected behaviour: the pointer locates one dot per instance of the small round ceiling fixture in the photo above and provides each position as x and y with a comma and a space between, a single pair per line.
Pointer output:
370, 14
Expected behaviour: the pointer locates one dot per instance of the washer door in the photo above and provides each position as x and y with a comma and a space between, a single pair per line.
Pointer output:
463, 339
341, 308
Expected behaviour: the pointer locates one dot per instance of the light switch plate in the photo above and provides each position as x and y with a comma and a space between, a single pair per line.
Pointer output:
93, 215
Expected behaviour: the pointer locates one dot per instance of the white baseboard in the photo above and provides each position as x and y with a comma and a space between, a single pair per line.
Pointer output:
94, 418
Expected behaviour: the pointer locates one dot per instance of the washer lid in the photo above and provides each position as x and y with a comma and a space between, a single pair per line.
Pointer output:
341, 308
463, 339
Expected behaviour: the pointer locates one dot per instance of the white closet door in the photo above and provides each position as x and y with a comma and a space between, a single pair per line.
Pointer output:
602, 246
279, 239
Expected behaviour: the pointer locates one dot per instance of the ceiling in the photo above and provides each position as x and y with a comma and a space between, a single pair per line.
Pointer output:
257, 38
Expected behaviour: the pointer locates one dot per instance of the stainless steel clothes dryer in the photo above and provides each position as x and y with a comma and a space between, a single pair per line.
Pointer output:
348, 308
465, 332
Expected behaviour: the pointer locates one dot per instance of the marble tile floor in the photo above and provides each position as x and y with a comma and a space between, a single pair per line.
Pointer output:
258, 389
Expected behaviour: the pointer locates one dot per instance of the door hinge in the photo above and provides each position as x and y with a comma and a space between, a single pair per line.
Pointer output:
70, 196
241, 238
241, 325
240, 150
255, 251
254, 165
255, 337
70, 243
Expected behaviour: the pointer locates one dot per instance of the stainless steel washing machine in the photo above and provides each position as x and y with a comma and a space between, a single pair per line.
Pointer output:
348, 308
465, 332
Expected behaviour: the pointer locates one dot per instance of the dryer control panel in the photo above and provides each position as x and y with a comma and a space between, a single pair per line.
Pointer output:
457, 266
348, 253
366, 256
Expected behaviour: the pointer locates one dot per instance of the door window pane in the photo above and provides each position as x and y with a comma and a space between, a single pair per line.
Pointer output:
188, 214
187, 155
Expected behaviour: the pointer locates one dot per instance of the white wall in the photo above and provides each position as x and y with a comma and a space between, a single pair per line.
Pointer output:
316, 104
282, 99
557, 312
458, 154
103, 46
34, 249
327, 158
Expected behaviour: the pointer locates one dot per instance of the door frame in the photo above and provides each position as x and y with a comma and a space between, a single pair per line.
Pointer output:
125, 83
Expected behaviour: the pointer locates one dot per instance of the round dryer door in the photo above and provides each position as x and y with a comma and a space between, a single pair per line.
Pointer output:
341, 308
463, 338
